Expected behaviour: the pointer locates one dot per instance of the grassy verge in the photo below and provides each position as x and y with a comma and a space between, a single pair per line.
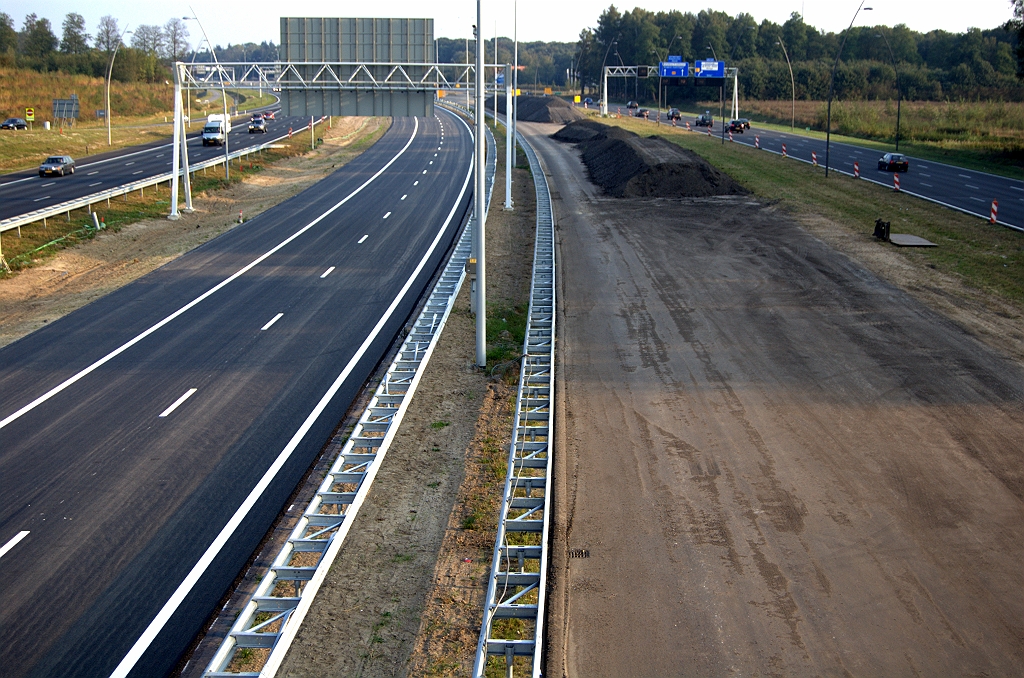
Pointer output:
985, 257
37, 241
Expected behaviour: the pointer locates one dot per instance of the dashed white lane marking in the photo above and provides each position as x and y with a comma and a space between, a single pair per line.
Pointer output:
13, 542
925, 175
160, 156
49, 184
405, 196
272, 321
965, 176
978, 199
969, 186
129, 163
92, 173
96, 184
425, 171
138, 172
177, 403
924, 184
387, 215
1017, 188
431, 162
327, 272
363, 239
46, 196
435, 155
416, 183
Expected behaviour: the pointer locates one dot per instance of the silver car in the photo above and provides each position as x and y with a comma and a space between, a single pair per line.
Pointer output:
57, 164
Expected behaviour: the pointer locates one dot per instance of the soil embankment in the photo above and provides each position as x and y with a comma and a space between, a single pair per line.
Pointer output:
542, 109
627, 165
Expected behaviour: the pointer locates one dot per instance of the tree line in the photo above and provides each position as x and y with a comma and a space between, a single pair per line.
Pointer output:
147, 57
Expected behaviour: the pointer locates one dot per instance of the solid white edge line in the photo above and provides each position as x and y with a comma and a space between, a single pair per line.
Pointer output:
272, 321
168, 609
178, 402
363, 239
125, 346
13, 542
295, 619
327, 272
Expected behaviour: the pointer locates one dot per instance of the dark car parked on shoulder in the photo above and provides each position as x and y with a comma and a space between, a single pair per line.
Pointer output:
894, 162
14, 123
57, 164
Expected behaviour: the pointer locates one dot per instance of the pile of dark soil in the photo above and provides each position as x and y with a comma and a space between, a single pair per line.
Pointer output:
627, 165
542, 109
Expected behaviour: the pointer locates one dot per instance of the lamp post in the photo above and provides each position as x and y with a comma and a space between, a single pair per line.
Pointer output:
832, 81
110, 72
604, 77
480, 160
721, 96
899, 90
223, 94
792, 82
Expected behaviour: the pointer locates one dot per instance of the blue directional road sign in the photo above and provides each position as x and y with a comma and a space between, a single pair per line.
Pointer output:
673, 69
709, 69
675, 59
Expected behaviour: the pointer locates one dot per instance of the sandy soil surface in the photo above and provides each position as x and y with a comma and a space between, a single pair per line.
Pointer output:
778, 462
77, 275
404, 596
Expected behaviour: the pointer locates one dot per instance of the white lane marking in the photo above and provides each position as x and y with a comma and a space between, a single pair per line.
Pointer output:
130, 163
272, 321
49, 184
363, 239
969, 186
435, 155
424, 171
96, 184
978, 199
431, 162
138, 172
387, 215
46, 196
925, 175
202, 297
13, 542
416, 183
186, 586
160, 156
405, 196
178, 402
1017, 188
327, 272
92, 173
966, 176
924, 184
438, 148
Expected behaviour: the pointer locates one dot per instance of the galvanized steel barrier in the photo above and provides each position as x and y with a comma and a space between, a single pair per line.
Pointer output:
513, 624
279, 604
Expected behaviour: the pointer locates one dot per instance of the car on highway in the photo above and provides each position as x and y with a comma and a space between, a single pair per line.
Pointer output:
674, 114
736, 126
588, 102
57, 164
642, 113
632, 105
745, 122
269, 115
894, 162
257, 124
14, 123
704, 120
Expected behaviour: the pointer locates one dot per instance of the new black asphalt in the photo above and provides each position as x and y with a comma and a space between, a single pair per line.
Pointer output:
24, 192
120, 502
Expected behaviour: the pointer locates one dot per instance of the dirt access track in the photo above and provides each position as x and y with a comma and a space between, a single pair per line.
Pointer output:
778, 463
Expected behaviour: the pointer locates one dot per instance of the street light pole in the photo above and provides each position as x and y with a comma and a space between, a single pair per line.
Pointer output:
479, 231
604, 77
832, 81
792, 82
899, 90
110, 72
223, 94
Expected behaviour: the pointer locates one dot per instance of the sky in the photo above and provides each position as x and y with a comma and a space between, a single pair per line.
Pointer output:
538, 19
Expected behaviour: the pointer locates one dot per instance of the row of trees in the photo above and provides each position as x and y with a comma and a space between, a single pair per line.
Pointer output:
150, 51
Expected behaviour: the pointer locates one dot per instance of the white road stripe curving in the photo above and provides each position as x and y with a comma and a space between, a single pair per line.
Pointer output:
213, 290
179, 595
13, 542
271, 323
177, 403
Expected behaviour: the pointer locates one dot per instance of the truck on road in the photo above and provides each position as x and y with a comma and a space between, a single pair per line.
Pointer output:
217, 125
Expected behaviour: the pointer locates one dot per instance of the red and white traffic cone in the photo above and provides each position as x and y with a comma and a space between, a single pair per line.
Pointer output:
814, 158
896, 181
784, 151
856, 170
688, 126
240, 220
709, 131
757, 141
730, 137
993, 215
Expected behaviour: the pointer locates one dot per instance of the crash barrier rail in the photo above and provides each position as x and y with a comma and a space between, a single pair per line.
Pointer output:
517, 584
123, 190
272, 617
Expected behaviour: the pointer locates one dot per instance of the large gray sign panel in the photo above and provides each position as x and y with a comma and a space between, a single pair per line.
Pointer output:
309, 40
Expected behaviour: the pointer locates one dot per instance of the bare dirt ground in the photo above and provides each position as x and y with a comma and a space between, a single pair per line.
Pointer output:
779, 462
77, 275
405, 595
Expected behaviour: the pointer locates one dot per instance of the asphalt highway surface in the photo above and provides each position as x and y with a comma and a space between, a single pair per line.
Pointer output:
963, 189
24, 192
149, 439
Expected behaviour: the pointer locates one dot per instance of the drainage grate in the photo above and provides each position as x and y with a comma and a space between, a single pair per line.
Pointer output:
579, 553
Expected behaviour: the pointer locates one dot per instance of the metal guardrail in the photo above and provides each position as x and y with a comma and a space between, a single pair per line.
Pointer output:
513, 624
69, 206
278, 605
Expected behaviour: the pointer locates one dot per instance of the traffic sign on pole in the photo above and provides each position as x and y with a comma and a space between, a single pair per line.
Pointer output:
674, 69
30, 114
709, 69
